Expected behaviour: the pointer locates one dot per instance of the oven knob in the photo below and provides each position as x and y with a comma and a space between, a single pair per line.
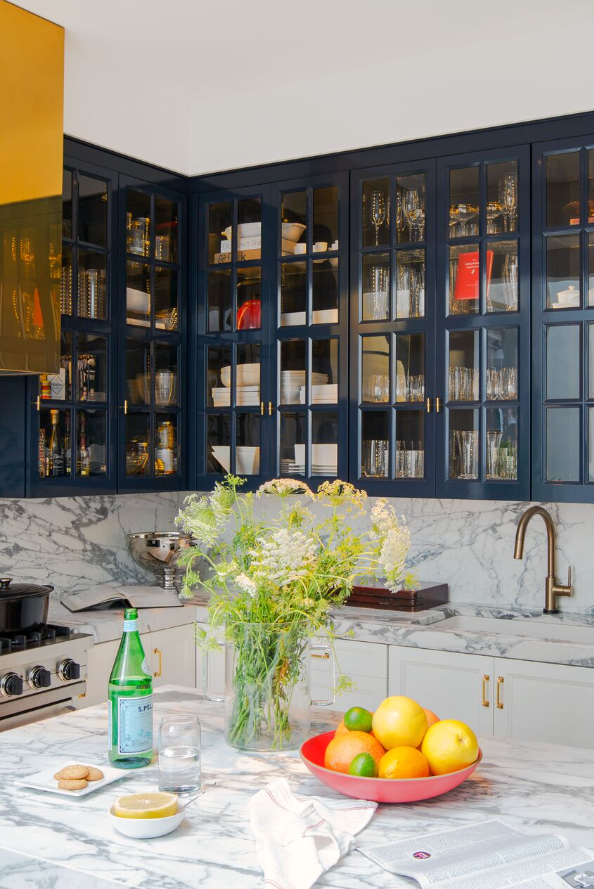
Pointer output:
11, 685
39, 677
69, 670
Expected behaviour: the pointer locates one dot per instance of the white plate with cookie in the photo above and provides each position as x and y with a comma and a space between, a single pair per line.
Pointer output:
73, 778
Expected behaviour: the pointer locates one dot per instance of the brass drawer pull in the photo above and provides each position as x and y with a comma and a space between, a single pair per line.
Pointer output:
261, 408
437, 405
486, 679
428, 405
270, 408
322, 657
500, 681
159, 671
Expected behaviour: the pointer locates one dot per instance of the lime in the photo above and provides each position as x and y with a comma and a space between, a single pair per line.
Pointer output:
364, 766
357, 719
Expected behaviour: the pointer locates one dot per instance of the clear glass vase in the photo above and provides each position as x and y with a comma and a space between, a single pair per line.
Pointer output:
267, 686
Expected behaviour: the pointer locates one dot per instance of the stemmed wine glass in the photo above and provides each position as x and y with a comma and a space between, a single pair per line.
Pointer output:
378, 212
508, 198
414, 213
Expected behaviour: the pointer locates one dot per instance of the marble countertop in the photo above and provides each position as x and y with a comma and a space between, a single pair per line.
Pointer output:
422, 629
51, 841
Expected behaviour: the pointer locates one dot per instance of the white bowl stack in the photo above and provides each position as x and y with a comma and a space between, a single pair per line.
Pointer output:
293, 380
247, 459
324, 394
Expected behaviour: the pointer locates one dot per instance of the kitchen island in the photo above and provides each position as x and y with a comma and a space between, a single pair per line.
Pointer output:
48, 840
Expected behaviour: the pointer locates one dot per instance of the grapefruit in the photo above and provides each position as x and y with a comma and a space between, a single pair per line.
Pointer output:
403, 762
399, 722
342, 750
449, 745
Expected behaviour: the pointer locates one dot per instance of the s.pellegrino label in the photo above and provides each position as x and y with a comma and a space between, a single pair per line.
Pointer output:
130, 697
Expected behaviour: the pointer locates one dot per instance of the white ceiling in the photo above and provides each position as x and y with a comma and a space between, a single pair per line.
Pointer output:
198, 86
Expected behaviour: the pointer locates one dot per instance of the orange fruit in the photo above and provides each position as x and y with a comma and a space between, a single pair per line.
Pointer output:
432, 717
450, 745
342, 750
403, 762
399, 722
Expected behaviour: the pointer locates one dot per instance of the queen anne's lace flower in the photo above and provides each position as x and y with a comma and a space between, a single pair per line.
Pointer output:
339, 493
246, 584
283, 556
283, 487
393, 556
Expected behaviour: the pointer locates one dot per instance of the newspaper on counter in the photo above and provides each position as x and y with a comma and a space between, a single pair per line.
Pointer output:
489, 855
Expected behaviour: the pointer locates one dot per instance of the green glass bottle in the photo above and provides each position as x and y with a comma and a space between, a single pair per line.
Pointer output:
130, 697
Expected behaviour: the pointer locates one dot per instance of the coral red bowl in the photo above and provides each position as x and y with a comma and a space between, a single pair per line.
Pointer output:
380, 790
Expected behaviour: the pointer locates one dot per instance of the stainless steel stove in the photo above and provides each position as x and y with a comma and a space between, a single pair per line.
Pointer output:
42, 673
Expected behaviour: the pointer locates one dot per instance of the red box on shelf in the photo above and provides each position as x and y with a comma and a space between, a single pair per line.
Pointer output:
467, 277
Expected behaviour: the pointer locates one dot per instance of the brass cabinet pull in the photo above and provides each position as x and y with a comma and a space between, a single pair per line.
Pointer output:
322, 657
261, 408
270, 408
500, 681
158, 652
38, 402
437, 405
126, 406
428, 405
486, 678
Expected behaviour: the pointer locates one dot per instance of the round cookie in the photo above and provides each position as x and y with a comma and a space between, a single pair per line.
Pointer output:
94, 774
72, 773
72, 783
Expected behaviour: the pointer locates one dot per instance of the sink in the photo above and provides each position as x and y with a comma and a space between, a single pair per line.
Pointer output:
528, 628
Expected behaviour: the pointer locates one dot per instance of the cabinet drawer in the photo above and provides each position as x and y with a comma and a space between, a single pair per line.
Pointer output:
172, 656
356, 659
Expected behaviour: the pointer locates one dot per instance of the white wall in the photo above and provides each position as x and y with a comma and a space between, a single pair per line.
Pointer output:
198, 86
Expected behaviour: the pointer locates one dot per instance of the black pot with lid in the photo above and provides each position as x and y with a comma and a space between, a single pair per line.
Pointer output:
23, 606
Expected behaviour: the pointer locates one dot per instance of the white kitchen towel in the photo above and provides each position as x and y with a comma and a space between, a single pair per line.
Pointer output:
298, 838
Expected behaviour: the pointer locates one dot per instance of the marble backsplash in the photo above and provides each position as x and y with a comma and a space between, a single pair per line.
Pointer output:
78, 542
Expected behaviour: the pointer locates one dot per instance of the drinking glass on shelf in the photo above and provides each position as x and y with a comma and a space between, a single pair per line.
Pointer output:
377, 387
401, 387
509, 383
377, 212
508, 198
378, 283
510, 281
466, 450
416, 387
375, 458
508, 461
179, 754
415, 215
494, 211
493, 442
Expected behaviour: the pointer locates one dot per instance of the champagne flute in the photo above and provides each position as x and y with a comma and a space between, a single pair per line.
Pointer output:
508, 198
378, 212
412, 208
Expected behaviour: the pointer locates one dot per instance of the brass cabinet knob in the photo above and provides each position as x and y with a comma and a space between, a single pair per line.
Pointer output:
486, 679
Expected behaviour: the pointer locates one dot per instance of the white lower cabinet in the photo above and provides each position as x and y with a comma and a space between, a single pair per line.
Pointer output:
171, 655
457, 686
366, 663
553, 703
526, 700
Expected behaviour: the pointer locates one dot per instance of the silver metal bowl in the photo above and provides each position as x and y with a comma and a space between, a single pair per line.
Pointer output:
158, 551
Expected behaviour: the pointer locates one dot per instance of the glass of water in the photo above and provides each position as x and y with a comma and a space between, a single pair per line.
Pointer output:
179, 754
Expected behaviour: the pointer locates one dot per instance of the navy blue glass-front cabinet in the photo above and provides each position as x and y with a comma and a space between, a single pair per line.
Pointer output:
71, 429
392, 349
440, 374
563, 321
309, 320
153, 325
233, 336
110, 419
483, 325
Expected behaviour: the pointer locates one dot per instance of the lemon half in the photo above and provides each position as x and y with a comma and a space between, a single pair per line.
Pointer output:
146, 805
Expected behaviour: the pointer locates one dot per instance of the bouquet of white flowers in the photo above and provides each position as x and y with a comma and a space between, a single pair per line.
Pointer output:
273, 582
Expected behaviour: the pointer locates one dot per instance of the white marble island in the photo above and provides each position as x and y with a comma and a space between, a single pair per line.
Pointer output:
52, 841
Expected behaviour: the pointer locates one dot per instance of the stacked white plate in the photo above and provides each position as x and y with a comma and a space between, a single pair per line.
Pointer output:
247, 459
246, 396
325, 394
293, 380
324, 459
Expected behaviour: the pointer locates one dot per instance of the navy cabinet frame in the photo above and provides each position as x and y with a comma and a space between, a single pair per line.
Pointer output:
392, 486
202, 338
151, 337
483, 488
580, 490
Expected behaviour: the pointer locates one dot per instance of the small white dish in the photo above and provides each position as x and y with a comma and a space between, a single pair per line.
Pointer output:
146, 828
300, 249
45, 780
320, 247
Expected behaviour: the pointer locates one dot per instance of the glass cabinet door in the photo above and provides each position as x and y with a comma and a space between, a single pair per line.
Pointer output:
74, 438
309, 376
482, 325
563, 319
392, 331
153, 374
231, 339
